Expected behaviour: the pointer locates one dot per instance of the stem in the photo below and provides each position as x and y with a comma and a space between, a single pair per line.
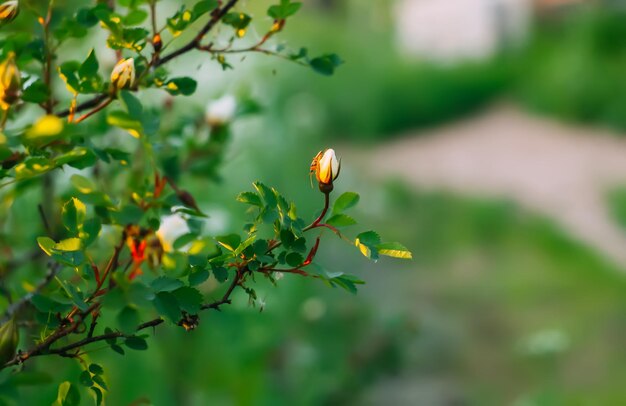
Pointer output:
94, 111
318, 220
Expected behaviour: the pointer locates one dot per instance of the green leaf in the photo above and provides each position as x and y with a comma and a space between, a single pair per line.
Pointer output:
136, 343
132, 104
230, 241
250, 198
185, 86
189, 299
135, 17
165, 284
128, 319
340, 220
395, 250
326, 64
220, 273
37, 92
167, 305
46, 244
283, 10
96, 369
85, 379
68, 395
98, 393
89, 67
117, 349
345, 201
74, 212
266, 193
294, 259
366, 243
204, 6
197, 277
239, 21
100, 381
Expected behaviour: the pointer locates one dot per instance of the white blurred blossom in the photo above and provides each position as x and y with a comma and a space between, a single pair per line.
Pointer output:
221, 111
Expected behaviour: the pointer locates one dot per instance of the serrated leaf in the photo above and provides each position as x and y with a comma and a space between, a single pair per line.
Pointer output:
167, 305
165, 284
189, 299
250, 198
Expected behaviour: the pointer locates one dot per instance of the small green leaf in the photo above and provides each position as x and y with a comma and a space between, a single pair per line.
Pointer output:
85, 379
326, 64
230, 241
184, 239
341, 220
96, 369
204, 6
46, 244
189, 299
69, 244
345, 201
167, 305
117, 349
89, 67
166, 284
185, 86
294, 259
74, 212
136, 343
250, 198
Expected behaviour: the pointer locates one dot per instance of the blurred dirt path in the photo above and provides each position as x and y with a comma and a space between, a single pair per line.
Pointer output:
559, 170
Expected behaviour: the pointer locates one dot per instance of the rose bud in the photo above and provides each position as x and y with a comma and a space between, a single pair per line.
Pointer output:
10, 82
157, 42
221, 112
8, 11
123, 74
326, 167
9, 337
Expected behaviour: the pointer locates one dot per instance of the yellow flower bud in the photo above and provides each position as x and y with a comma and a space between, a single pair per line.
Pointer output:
8, 11
9, 337
326, 166
123, 74
10, 82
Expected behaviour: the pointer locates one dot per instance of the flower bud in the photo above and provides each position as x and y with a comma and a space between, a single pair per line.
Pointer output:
221, 111
10, 82
157, 42
8, 11
9, 337
123, 74
326, 167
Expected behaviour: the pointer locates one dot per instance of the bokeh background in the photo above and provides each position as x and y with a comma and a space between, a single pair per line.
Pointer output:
487, 136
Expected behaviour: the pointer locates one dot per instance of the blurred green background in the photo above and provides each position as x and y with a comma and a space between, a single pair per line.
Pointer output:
502, 304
